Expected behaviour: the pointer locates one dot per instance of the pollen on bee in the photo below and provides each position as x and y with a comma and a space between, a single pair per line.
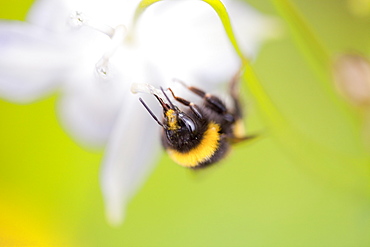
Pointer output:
172, 120
239, 130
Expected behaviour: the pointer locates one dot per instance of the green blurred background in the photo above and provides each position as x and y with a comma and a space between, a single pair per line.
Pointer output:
264, 194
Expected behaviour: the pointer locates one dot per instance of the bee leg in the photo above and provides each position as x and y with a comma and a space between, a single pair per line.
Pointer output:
212, 102
185, 102
151, 113
238, 131
235, 140
234, 90
195, 90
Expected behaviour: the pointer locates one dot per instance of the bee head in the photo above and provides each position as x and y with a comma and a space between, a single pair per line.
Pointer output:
179, 127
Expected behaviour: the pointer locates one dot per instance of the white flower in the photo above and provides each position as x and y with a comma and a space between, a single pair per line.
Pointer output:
90, 58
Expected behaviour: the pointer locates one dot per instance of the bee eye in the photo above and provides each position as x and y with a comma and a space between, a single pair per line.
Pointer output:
189, 123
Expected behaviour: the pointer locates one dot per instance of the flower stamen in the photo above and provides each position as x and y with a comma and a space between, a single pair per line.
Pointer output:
118, 37
148, 89
79, 19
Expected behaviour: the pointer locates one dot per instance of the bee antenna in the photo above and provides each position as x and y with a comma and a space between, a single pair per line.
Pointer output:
151, 113
169, 101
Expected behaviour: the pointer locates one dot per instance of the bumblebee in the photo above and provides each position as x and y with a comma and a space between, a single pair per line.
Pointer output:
201, 135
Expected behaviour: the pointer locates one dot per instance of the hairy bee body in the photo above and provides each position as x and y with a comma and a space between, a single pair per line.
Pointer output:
207, 145
200, 135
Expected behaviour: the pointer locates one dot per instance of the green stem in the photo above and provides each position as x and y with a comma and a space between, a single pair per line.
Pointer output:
264, 101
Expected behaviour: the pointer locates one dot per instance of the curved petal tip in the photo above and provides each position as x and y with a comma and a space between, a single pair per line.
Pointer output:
114, 211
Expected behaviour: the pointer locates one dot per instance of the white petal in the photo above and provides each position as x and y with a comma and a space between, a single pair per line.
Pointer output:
32, 62
188, 40
129, 158
112, 12
52, 15
89, 106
